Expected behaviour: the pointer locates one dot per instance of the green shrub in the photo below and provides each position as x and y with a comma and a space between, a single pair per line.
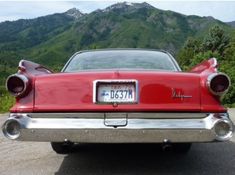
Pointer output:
6, 100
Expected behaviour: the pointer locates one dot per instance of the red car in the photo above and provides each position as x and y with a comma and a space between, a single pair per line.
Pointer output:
119, 96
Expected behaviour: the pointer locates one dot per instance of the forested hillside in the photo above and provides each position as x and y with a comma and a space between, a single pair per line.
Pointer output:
52, 39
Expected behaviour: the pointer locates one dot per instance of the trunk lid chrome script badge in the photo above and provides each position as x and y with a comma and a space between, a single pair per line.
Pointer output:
179, 94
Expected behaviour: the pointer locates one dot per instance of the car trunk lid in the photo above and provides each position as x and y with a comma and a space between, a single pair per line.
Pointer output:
156, 91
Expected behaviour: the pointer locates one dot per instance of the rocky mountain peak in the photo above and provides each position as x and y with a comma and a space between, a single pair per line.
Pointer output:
75, 13
142, 5
124, 6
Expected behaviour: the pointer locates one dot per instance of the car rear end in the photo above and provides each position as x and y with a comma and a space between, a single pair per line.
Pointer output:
119, 105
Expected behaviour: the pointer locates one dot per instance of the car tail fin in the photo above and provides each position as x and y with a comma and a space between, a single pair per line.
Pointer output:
32, 68
206, 66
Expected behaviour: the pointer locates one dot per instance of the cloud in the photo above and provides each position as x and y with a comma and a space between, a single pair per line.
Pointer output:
13, 10
16, 10
89, 6
222, 10
9, 18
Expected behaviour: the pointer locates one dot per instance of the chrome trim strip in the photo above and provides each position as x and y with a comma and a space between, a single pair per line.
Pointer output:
177, 67
115, 81
131, 115
137, 130
215, 63
21, 66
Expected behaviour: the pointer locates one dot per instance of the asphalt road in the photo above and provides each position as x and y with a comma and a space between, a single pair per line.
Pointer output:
38, 158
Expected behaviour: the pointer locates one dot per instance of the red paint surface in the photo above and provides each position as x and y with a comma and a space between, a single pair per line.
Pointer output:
73, 92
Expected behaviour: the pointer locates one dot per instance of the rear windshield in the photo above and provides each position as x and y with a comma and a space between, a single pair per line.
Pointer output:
120, 59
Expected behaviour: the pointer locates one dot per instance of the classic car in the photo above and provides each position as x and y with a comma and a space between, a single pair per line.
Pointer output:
119, 96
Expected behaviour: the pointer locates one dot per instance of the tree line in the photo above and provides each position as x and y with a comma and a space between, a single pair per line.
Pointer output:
216, 43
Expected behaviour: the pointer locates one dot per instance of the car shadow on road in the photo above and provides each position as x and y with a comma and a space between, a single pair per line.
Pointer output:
205, 158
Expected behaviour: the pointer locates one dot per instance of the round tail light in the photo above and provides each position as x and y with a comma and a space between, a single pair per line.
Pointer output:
218, 83
17, 84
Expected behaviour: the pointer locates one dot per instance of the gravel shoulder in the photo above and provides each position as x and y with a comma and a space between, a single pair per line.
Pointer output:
38, 158
232, 114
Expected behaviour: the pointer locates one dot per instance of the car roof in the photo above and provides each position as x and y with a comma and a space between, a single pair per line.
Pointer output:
124, 49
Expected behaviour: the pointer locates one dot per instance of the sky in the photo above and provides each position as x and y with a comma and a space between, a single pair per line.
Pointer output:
13, 10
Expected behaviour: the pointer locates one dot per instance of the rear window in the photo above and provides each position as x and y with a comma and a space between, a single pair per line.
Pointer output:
120, 59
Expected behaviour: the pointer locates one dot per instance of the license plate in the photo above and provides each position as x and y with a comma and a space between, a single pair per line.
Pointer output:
116, 92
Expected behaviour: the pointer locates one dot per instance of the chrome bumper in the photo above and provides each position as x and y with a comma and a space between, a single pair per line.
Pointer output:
116, 128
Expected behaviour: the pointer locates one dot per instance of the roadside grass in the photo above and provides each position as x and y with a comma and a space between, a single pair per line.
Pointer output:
6, 102
230, 105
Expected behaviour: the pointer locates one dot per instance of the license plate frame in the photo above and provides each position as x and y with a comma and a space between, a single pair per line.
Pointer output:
97, 83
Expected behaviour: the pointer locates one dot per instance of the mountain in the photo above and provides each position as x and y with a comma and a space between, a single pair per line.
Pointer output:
74, 13
232, 23
127, 7
52, 39
23, 33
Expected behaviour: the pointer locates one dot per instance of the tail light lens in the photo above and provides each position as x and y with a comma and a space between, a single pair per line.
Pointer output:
218, 83
17, 84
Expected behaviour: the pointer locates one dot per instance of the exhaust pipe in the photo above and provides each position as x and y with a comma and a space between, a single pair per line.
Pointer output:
166, 146
11, 129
